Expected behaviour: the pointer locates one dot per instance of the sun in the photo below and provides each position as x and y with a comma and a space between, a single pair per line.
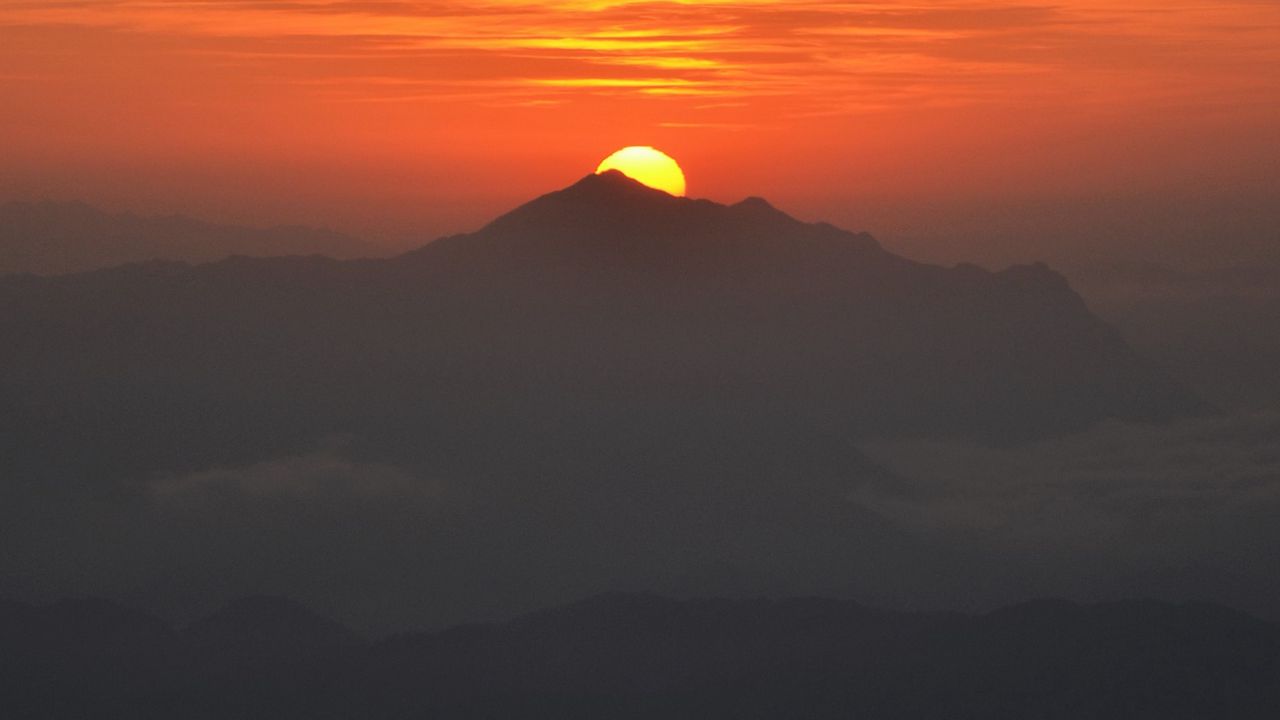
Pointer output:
648, 166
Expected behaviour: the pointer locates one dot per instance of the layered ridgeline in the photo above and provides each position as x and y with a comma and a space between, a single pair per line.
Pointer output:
47, 238
600, 299
629, 656
608, 388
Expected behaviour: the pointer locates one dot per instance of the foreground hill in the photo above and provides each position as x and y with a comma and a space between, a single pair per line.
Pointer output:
50, 238
646, 657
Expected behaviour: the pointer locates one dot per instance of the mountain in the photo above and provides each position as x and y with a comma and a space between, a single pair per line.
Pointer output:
643, 656
607, 388
603, 313
817, 317
49, 238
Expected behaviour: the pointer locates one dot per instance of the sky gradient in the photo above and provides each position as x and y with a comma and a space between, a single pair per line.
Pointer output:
416, 118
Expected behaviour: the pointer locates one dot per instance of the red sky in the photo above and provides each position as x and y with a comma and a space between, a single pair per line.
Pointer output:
942, 125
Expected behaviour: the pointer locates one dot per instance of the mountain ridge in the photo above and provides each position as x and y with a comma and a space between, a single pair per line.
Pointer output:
610, 217
647, 656
55, 238
609, 256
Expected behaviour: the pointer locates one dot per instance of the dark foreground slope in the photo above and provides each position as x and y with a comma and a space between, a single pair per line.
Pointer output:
626, 656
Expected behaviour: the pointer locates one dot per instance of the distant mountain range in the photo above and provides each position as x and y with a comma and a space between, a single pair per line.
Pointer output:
639, 656
49, 238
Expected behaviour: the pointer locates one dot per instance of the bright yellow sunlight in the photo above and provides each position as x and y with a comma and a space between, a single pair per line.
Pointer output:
649, 166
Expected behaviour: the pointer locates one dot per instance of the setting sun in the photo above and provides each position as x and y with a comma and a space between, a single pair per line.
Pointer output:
649, 166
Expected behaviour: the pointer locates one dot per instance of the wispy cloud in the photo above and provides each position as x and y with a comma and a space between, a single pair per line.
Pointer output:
822, 55
1186, 490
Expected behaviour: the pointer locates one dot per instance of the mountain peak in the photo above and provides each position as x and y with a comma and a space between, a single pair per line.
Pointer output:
611, 220
611, 185
615, 202
755, 202
598, 201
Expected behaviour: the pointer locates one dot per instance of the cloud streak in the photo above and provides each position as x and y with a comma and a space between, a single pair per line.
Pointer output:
817, 55
1193, 490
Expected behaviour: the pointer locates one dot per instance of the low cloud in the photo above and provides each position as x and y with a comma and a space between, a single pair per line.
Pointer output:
319, 477
1180, 511
1185, 492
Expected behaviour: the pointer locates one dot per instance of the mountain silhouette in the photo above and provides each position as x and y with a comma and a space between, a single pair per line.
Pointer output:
823, 318
644, 656
607, 305
48, 238
606, 388
611, 221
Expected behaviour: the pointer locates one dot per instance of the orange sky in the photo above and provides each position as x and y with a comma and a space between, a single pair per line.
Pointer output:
394, 118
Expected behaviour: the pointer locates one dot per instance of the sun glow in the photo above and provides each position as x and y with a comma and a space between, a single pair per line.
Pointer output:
649, 166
